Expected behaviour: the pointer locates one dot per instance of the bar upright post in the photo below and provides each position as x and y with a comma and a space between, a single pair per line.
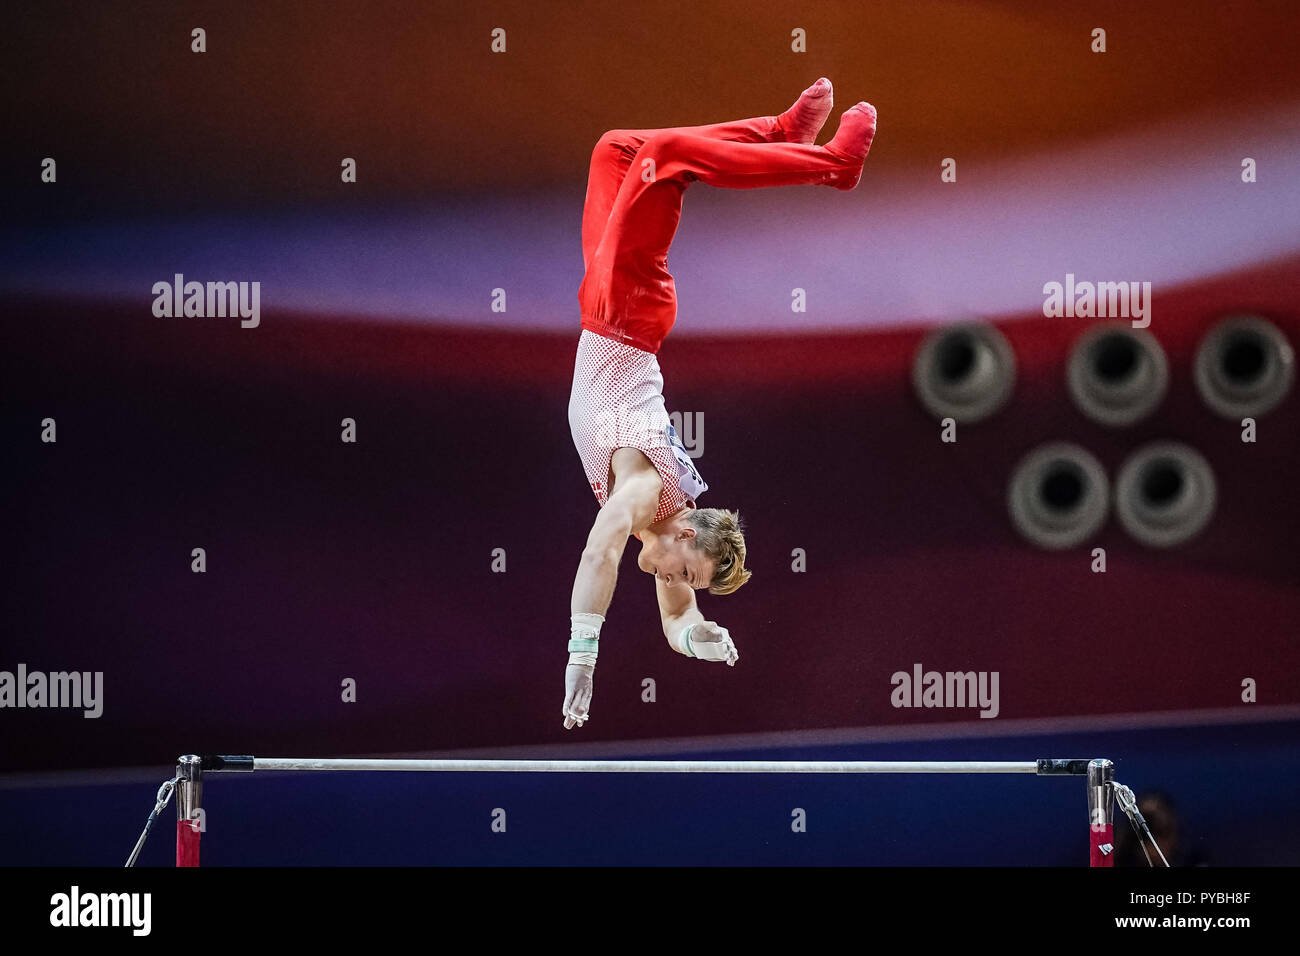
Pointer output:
1101, 813
189, 809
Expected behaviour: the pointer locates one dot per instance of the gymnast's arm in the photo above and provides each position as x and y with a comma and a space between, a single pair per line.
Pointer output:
630, 508
678, 611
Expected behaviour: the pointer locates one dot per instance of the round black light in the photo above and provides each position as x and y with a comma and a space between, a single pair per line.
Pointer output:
1165, 494
1058, 495
1162, 482
1244, 367
956, 357
1062, 487
1244, 357
964, 371
1117, 375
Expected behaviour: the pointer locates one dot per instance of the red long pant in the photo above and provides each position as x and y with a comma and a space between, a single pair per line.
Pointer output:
628, 222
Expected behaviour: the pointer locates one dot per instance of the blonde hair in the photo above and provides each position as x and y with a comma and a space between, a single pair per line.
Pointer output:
718, 535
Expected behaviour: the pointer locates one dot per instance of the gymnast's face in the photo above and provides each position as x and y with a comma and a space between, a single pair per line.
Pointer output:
672, 559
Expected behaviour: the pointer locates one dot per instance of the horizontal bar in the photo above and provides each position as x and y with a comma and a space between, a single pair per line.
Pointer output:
218, 764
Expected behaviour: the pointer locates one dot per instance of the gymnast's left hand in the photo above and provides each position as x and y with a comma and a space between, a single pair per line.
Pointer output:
578, 680
709, 641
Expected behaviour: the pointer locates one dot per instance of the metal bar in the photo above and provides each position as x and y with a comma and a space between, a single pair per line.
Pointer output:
189, 786
630, 766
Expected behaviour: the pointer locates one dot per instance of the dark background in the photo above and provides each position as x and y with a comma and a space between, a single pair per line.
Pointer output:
372, 561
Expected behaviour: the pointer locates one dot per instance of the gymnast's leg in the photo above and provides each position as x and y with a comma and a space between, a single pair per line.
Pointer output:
685, 157
614, 152
645, 212
627, 291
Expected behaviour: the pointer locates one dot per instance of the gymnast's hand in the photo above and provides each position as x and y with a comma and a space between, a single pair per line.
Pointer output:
577, 694
709, 641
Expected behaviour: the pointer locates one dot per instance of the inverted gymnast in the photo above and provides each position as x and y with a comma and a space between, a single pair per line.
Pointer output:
641, 474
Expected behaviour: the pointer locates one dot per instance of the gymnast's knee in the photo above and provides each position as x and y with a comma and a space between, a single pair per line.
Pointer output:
614, 141
661, 145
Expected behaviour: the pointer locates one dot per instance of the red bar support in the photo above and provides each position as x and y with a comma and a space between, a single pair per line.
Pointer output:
187, 843
1101, 846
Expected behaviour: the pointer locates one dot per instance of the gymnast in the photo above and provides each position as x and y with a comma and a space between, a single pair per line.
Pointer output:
643, 479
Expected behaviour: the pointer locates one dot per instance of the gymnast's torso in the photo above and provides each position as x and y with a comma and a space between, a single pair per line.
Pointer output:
617, 402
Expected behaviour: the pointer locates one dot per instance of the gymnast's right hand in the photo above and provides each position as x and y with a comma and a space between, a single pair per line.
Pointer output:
577, 694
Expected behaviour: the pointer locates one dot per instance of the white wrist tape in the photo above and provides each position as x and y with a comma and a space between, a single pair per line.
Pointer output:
584, 638
684, 640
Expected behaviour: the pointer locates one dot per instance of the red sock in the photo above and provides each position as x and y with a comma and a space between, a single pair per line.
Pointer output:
802, 122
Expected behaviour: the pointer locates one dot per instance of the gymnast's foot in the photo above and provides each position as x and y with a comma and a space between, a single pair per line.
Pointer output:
802, 122
852, 142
